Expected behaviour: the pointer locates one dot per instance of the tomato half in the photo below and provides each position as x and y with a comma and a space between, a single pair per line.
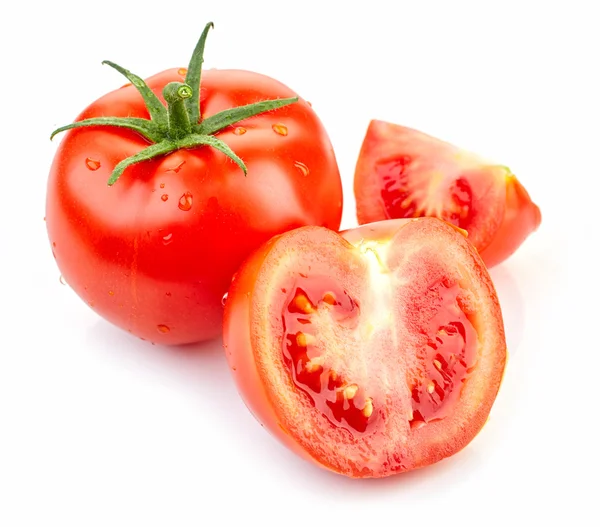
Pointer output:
154, 253
404, 173
371, 352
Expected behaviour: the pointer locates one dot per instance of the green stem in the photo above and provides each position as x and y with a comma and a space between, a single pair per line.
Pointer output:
176, 93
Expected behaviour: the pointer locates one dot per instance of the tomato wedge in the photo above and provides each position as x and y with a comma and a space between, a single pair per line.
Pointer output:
404, 173
371, 352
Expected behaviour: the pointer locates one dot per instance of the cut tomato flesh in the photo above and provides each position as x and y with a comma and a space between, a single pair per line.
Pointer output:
338, 398
377, 353
446, 361
408, 193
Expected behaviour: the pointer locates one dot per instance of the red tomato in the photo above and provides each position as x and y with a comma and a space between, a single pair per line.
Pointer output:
403, 173
154, 253
371, 352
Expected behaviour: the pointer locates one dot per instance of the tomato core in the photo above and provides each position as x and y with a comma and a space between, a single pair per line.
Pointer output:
405, 198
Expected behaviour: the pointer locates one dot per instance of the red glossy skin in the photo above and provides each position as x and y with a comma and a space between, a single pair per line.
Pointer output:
154, 253
403, 173
367, 371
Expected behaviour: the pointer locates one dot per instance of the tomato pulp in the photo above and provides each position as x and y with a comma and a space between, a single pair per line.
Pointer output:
371, 352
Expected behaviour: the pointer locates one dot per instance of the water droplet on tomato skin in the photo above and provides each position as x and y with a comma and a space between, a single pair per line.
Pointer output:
302, 168
182, 71
92, 164
111, 293
167, 239
62, 280
280, 129
224, 299
164, 197
162, 185
185, 202
163, 328
175, 169
239, 130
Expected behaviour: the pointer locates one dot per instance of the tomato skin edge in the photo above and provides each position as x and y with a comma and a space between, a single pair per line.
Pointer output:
237, 334
522, 217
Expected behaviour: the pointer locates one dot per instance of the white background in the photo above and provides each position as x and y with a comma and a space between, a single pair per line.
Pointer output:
98, 428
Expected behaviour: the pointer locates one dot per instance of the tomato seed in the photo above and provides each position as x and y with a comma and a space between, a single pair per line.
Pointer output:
303, 304
350, 391
305, 339
280, 129
329, 298
314, 364
368, 408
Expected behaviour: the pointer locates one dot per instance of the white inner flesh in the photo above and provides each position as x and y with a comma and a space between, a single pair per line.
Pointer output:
380, 286
365, 361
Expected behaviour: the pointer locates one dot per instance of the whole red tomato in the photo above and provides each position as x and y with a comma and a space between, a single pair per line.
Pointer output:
149, 219
371, 352
404, 173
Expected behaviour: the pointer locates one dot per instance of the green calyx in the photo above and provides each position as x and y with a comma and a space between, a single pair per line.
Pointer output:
179, 124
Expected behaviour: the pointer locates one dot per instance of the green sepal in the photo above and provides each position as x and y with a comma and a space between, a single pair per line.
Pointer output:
210, 140
221, 120
150, 152
156, 109
142, 126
